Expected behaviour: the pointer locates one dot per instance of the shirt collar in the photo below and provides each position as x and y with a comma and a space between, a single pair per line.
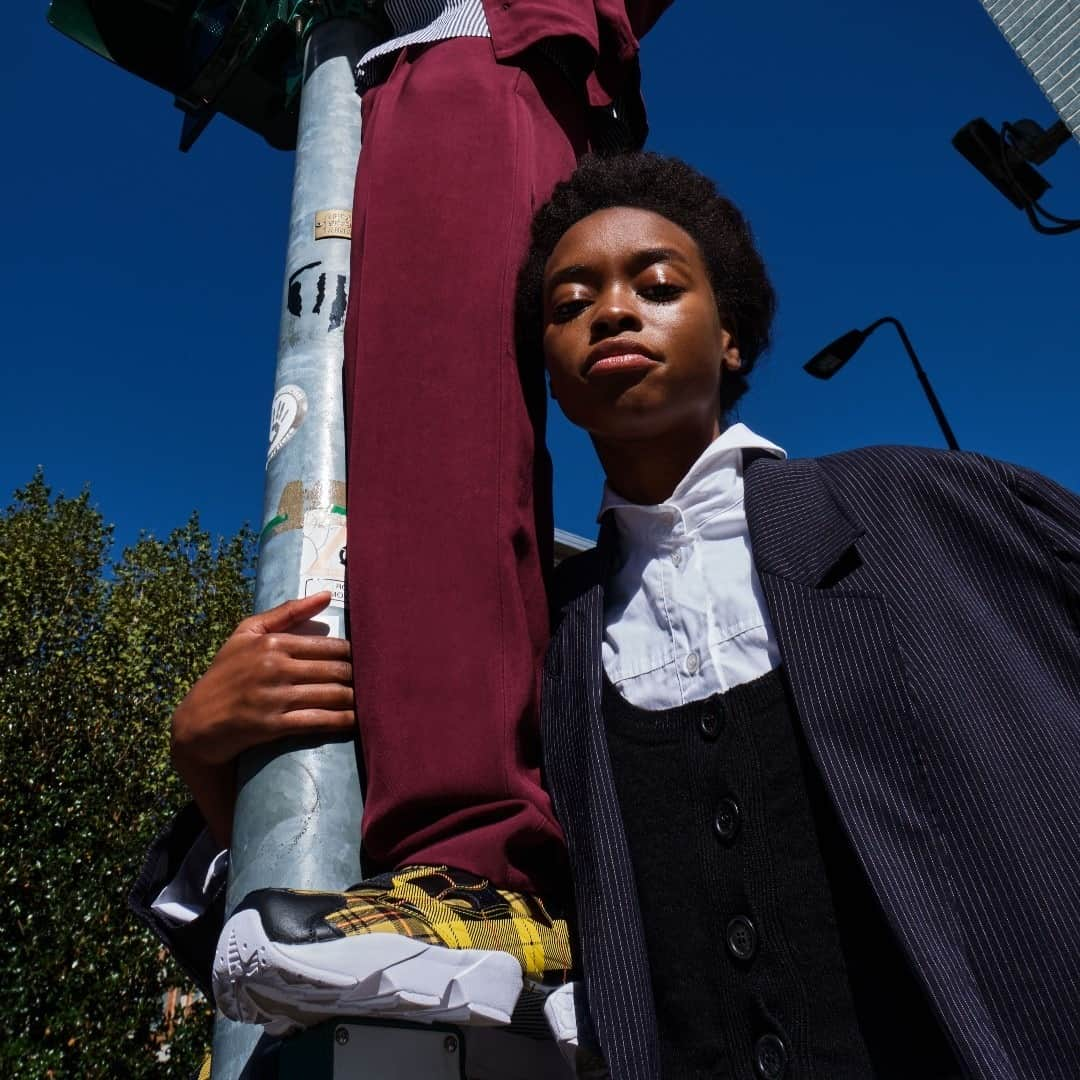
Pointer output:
712, 484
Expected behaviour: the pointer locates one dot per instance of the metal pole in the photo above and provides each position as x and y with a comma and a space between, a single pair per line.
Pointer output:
297, 821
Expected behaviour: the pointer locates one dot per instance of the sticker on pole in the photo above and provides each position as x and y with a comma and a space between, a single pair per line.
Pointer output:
322, 563
287, 413
333, 223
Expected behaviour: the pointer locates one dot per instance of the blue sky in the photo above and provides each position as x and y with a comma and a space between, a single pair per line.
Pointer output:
141, 287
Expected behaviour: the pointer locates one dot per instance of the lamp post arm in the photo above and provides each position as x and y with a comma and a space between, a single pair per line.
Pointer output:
946, 429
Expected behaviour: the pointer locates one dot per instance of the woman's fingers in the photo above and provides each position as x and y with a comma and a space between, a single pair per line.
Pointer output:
301, 672
309, 709
342, 720
300, 696
268, 671
285, 616
279, 711
260, 680
269, 711
307, 647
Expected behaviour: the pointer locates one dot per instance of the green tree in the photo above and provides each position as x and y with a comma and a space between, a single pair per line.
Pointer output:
93, 659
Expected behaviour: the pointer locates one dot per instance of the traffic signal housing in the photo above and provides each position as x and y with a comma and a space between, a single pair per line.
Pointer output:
242, 58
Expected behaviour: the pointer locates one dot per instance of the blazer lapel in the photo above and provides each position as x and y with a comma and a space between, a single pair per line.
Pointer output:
842, 662
578, 767
799, 528
833, 629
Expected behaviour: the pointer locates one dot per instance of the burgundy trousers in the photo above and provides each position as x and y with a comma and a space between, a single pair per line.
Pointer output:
449, 505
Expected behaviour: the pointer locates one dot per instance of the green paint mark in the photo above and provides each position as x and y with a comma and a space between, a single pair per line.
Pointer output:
335, 509
272, 524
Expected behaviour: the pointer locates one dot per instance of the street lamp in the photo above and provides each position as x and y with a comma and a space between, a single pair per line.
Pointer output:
835, 355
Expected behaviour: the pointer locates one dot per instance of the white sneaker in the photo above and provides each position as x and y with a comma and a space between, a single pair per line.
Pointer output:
422, 944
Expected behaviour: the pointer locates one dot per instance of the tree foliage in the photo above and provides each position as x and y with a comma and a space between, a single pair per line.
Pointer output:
93, 659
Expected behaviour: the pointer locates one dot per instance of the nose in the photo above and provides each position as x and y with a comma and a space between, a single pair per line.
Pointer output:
613, 313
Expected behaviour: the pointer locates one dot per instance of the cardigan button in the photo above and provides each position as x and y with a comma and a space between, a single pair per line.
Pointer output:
710, 724
741, 938
726, 822
770, 1057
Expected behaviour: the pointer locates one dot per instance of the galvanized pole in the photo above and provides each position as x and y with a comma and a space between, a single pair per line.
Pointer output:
297, 821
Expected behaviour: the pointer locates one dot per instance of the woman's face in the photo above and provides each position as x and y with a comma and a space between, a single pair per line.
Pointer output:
633, 340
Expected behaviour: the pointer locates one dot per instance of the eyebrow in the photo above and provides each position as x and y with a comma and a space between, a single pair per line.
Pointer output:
654, 255
639, 261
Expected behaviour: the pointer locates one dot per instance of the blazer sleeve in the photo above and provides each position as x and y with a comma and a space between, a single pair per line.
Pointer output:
1053, 516
191, 944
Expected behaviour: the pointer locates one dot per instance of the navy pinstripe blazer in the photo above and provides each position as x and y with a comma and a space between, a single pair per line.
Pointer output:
927, 608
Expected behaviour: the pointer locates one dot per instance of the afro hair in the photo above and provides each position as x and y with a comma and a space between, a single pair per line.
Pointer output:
674, 190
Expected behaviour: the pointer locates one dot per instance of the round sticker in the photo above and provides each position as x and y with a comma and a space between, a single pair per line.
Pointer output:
286, 415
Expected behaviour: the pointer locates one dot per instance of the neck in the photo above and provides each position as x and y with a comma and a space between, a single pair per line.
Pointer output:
648, 470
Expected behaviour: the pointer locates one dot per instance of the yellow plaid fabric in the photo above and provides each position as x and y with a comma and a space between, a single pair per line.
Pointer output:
461, 911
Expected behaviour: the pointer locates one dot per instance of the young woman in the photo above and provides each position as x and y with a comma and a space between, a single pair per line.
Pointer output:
811, 728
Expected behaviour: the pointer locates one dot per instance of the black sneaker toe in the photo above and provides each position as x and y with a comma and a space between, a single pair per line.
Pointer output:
294, 918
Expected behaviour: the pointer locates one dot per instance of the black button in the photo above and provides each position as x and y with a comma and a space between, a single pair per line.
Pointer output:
710, 723
726, 822
741, 938
770, 1057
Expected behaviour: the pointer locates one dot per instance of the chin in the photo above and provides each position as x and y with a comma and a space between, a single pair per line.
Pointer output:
621, 424
639, 415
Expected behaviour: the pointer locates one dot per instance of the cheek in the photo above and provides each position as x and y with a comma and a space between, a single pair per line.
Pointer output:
703, 338
563, 388
557, 352
554, 372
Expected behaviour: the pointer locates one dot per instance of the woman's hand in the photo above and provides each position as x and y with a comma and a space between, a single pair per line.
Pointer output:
267, 681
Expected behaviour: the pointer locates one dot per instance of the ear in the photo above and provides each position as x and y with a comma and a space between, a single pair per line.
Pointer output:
732, 358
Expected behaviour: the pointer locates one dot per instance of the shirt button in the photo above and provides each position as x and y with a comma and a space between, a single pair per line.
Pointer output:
691, 663
726, 822
741, 938
676, 558
770, 1057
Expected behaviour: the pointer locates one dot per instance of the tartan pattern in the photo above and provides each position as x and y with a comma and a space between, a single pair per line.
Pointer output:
458, 910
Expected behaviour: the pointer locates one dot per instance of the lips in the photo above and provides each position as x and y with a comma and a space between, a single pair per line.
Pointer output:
618, 355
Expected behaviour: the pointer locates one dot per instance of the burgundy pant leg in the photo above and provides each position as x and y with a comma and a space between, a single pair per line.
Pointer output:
449, 616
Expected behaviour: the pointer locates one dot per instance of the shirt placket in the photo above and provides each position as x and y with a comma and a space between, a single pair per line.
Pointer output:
673, 559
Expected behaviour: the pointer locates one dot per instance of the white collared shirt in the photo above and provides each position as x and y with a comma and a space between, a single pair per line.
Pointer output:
684, 614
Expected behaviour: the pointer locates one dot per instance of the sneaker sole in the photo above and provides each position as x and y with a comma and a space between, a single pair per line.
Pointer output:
285, 987
560, 1010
